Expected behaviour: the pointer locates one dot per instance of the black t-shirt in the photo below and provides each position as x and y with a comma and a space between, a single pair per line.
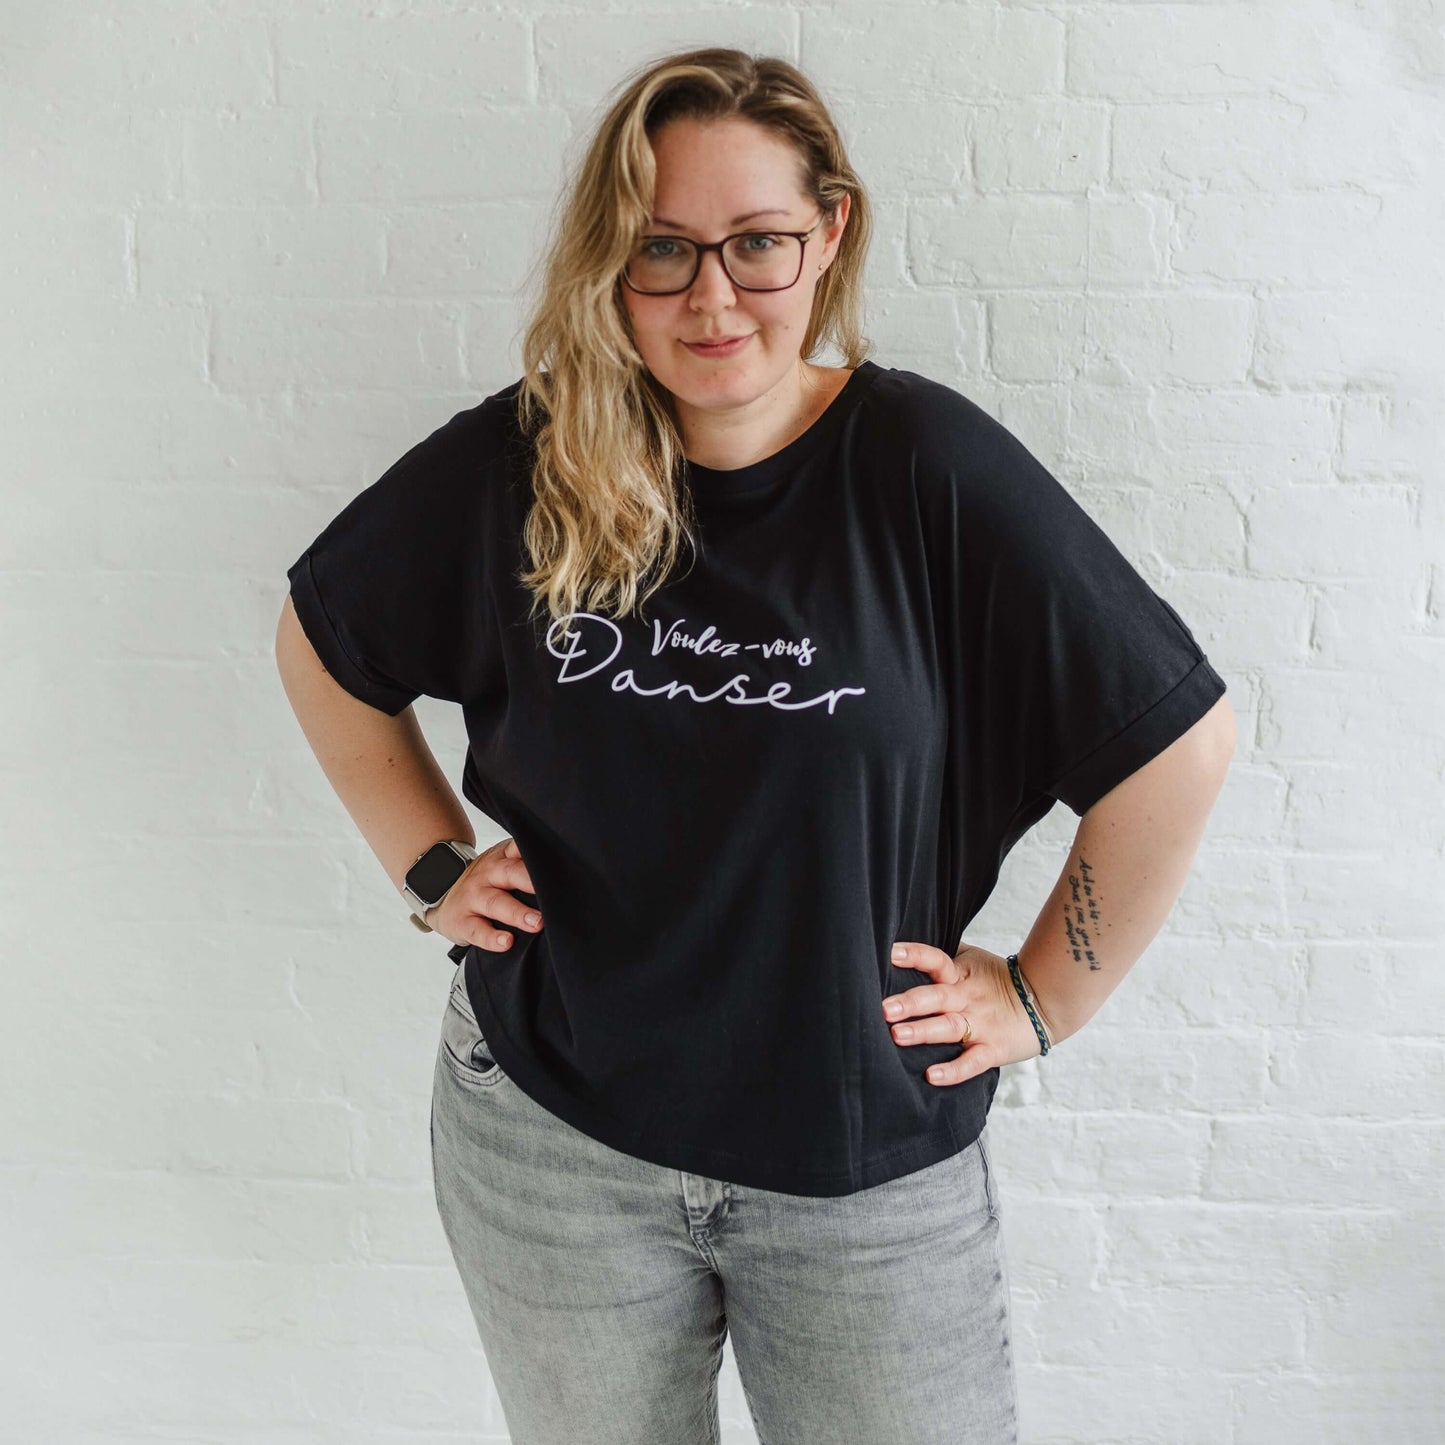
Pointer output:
900, 640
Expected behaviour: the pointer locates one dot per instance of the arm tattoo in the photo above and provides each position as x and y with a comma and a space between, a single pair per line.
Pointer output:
1081, 914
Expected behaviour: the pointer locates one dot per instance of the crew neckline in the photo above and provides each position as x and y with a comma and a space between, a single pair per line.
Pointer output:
714, 484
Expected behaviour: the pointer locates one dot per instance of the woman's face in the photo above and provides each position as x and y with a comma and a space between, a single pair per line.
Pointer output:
710, 178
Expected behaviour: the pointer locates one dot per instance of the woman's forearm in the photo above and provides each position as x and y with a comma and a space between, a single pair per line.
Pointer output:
1129, 861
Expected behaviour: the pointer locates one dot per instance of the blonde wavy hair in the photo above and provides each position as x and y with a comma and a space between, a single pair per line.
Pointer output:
610, 510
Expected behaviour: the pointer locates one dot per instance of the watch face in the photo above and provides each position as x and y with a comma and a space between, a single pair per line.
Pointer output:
434, 872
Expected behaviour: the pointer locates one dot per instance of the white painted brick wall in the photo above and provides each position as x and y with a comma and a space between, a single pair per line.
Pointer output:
1192, 253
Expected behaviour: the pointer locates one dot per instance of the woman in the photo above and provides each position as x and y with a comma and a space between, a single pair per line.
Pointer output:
765, 667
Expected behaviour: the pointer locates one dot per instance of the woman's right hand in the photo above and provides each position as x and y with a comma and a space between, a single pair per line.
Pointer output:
478, 901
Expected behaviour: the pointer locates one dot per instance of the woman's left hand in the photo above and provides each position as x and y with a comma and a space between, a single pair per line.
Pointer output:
972, 1001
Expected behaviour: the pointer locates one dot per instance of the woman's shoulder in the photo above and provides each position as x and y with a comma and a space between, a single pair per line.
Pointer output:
455, 457
946, 437
926, 406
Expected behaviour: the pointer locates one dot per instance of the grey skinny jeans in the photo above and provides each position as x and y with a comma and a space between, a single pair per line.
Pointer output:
604, 1286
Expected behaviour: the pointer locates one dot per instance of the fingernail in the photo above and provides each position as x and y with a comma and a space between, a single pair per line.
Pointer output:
899, 951
533, 919
892, 1009
501, 940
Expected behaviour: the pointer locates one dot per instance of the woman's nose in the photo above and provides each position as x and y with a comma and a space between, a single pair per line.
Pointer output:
712, 276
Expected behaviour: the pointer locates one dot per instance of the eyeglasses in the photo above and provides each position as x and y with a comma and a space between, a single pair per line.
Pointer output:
754, 261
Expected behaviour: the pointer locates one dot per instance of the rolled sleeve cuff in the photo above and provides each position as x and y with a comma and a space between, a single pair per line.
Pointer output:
359, 680
1142, 740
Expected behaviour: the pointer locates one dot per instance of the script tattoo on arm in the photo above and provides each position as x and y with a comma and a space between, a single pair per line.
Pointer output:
1081, 915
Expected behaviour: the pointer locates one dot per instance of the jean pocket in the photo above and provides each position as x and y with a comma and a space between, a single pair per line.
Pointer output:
463, 1047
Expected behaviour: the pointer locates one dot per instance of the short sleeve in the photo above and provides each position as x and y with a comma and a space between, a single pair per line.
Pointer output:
393, 592
1082, 671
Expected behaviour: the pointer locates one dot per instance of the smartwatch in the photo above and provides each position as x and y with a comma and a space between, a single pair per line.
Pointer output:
431, 877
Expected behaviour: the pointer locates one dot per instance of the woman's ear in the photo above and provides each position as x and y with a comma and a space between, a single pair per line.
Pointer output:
834, 233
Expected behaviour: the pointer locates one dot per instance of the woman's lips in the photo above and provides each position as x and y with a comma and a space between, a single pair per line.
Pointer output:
728, 348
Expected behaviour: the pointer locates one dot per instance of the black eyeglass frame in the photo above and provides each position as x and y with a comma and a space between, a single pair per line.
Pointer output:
801, 237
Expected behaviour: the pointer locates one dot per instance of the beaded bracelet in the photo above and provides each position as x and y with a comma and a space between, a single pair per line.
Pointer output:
1028, 998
